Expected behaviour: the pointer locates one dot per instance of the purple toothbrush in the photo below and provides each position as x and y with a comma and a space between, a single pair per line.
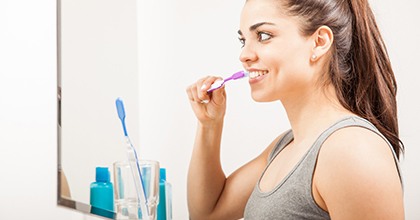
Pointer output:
220, 83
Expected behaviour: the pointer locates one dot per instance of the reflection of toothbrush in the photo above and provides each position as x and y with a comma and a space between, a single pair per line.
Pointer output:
220, 83
134, 163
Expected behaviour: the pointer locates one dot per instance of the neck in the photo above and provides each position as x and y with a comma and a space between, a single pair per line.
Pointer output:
313, 112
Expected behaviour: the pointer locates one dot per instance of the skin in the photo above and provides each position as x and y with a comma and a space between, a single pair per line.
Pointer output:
361, 183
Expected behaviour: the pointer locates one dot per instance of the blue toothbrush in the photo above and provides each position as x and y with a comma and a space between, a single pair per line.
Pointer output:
134, 163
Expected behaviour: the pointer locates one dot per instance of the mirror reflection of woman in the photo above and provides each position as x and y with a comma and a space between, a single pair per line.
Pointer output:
326, 62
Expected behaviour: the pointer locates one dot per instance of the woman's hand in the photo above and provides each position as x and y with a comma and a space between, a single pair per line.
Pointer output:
208, 107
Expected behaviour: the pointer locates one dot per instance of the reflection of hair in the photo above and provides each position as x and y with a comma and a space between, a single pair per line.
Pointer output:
359, 67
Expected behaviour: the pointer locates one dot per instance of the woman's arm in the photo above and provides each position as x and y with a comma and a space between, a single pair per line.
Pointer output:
358, 179
210, 194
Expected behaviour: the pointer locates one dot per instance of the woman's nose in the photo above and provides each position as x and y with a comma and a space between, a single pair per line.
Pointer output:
248, 54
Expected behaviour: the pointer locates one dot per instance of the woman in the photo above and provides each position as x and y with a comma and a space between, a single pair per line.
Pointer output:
326, 62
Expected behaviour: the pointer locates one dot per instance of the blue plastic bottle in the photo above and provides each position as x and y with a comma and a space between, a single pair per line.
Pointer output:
102, 191
164, 209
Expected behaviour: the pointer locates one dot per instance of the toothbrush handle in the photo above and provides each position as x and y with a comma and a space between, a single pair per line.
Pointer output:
237, 75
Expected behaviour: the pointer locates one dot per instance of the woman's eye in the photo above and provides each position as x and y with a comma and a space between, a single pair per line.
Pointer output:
242, 41
264, 36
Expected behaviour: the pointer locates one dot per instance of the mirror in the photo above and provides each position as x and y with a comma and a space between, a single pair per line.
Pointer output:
97, 63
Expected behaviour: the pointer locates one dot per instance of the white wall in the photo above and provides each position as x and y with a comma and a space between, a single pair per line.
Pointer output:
28, 111
183, 41
399, 22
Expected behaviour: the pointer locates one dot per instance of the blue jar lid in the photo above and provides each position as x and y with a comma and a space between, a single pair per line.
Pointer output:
162, 173
102, 174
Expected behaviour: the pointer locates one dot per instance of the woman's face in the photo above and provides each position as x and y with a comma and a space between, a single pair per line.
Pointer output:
275, 50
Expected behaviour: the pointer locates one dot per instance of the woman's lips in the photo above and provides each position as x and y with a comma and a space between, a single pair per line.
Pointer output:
255, 76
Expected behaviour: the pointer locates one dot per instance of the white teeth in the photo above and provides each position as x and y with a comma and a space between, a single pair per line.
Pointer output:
256, 74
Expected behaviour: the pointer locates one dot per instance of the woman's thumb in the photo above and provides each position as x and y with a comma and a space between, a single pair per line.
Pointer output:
219, 96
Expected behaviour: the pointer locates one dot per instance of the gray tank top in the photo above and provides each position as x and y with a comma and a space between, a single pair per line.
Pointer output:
292, 197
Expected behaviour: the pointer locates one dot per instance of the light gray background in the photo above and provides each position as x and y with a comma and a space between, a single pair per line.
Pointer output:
180, 41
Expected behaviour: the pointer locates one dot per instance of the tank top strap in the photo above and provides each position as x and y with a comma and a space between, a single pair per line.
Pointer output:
345, 122
351, 121
285, 140
292, 198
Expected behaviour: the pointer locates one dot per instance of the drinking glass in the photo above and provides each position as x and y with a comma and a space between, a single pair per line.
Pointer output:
126, 202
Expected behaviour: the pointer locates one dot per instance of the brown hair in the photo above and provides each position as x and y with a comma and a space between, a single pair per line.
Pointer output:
359, 67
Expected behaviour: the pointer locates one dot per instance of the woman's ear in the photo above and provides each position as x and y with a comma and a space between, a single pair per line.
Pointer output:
323, 39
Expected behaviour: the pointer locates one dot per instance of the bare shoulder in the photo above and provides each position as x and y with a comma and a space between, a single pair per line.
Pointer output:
358, 144
357, 177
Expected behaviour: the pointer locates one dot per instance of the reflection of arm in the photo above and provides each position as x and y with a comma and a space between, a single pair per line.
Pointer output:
65, 189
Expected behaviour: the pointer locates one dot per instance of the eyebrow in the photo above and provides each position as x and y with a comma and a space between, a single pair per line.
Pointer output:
255, 26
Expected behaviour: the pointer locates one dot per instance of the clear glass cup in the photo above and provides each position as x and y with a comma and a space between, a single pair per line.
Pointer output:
126, 202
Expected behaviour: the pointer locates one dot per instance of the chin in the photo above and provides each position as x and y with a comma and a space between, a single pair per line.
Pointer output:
261, 97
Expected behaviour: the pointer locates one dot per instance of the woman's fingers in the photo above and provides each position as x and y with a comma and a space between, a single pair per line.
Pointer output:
192, 93
196, 95
207, 106
198, 91
202, 91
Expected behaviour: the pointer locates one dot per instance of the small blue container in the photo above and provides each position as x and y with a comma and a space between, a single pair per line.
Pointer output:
102, 191
164, 209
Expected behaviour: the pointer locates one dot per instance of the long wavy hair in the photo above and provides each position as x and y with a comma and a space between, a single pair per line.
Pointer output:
359, 67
